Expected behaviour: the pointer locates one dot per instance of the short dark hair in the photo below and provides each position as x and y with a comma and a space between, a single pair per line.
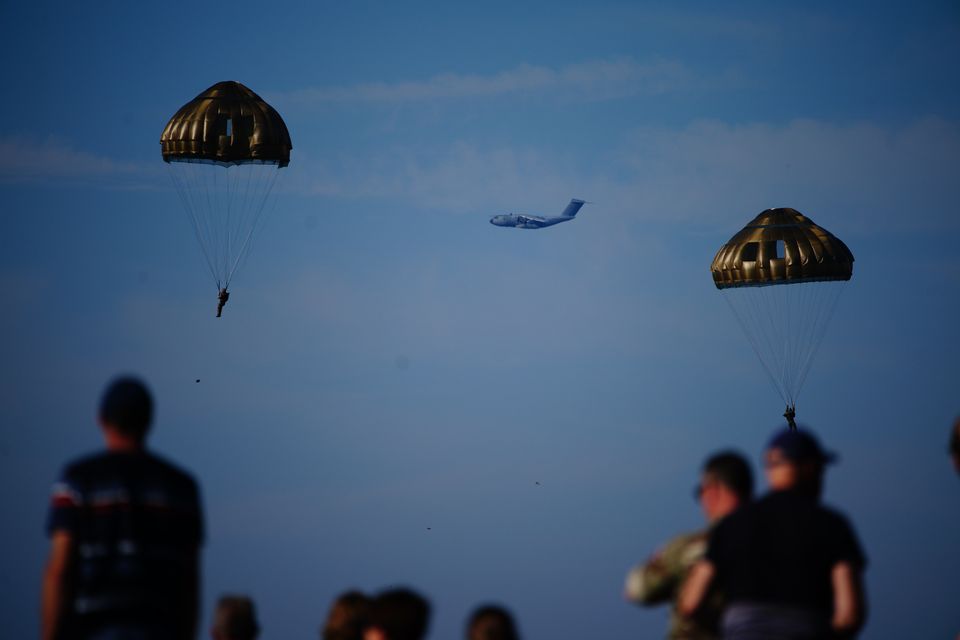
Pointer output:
347, 617
491, 622
732, 470
126, 405
235, 618
402, 614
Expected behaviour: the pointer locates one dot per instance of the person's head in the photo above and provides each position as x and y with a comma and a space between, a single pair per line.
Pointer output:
397, 614
491, 622
725, 484
794, 459
235, 619
347, 617
126, 409
955, 445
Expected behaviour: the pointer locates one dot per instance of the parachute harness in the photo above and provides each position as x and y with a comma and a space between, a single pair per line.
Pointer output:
790, 414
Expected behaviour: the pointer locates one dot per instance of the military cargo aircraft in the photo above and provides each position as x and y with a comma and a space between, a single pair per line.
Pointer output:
537, 222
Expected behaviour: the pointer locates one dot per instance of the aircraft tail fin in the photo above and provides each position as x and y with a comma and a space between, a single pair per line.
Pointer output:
572, 208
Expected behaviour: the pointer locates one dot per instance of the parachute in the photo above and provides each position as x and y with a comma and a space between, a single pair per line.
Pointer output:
224, 150
782, 276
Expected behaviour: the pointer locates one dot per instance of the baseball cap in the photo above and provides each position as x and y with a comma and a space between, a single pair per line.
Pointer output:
800, 446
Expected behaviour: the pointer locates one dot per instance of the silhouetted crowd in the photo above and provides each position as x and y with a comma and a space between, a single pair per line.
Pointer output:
126, 527
394, 614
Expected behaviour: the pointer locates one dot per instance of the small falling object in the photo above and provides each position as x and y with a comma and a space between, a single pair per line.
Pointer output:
198, 379
538, 483
428, 528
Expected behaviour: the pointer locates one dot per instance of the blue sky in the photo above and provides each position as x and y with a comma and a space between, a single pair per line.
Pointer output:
390, 362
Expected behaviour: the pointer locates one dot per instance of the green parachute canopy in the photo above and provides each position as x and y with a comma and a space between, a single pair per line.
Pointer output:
782, 276
224, 149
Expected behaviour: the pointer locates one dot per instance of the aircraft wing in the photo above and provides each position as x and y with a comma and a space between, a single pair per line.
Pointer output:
521, 219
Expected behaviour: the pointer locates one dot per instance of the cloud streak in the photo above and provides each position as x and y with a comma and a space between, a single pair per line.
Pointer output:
28, 160
594, 80
869, 173
705, 171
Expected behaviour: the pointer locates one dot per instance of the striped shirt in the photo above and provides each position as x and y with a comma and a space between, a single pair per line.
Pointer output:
135, 521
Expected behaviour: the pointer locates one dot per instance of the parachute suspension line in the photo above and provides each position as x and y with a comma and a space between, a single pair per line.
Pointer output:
230, 219
798, 299
227, 211
802, 301
226, 207
790, 324
768, 316
230, 223
753, 337
257, 208
804, 325
244, 215
825, 308
785, 325
185, 193
255, 204
779, 329
200, 187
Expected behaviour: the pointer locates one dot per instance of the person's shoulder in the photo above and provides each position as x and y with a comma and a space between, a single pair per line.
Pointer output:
171, 470
686, 547
793, 501
742, 514
734, 525
688, 538
86, 464
837, 528
834, 516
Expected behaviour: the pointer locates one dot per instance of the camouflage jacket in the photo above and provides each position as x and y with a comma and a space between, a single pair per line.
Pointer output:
660, 578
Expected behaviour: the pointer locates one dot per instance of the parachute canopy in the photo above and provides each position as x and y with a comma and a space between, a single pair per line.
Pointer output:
782, 276
227, 124
781, 246
224, 149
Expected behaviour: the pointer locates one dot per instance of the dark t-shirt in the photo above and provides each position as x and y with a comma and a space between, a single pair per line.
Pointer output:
136, 523
780, 550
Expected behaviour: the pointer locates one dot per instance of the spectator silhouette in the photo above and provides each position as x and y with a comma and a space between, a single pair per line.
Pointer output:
125, 529
347, 617
398, 614
726, 483
789, 567
491, 622
235, 619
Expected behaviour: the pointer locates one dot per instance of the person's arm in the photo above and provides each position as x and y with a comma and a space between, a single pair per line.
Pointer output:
694, 589
190, 605
849, 603
648, 584
56, 585
660, 577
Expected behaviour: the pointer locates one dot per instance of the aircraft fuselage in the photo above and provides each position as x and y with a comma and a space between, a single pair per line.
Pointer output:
520, 221
525, 222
